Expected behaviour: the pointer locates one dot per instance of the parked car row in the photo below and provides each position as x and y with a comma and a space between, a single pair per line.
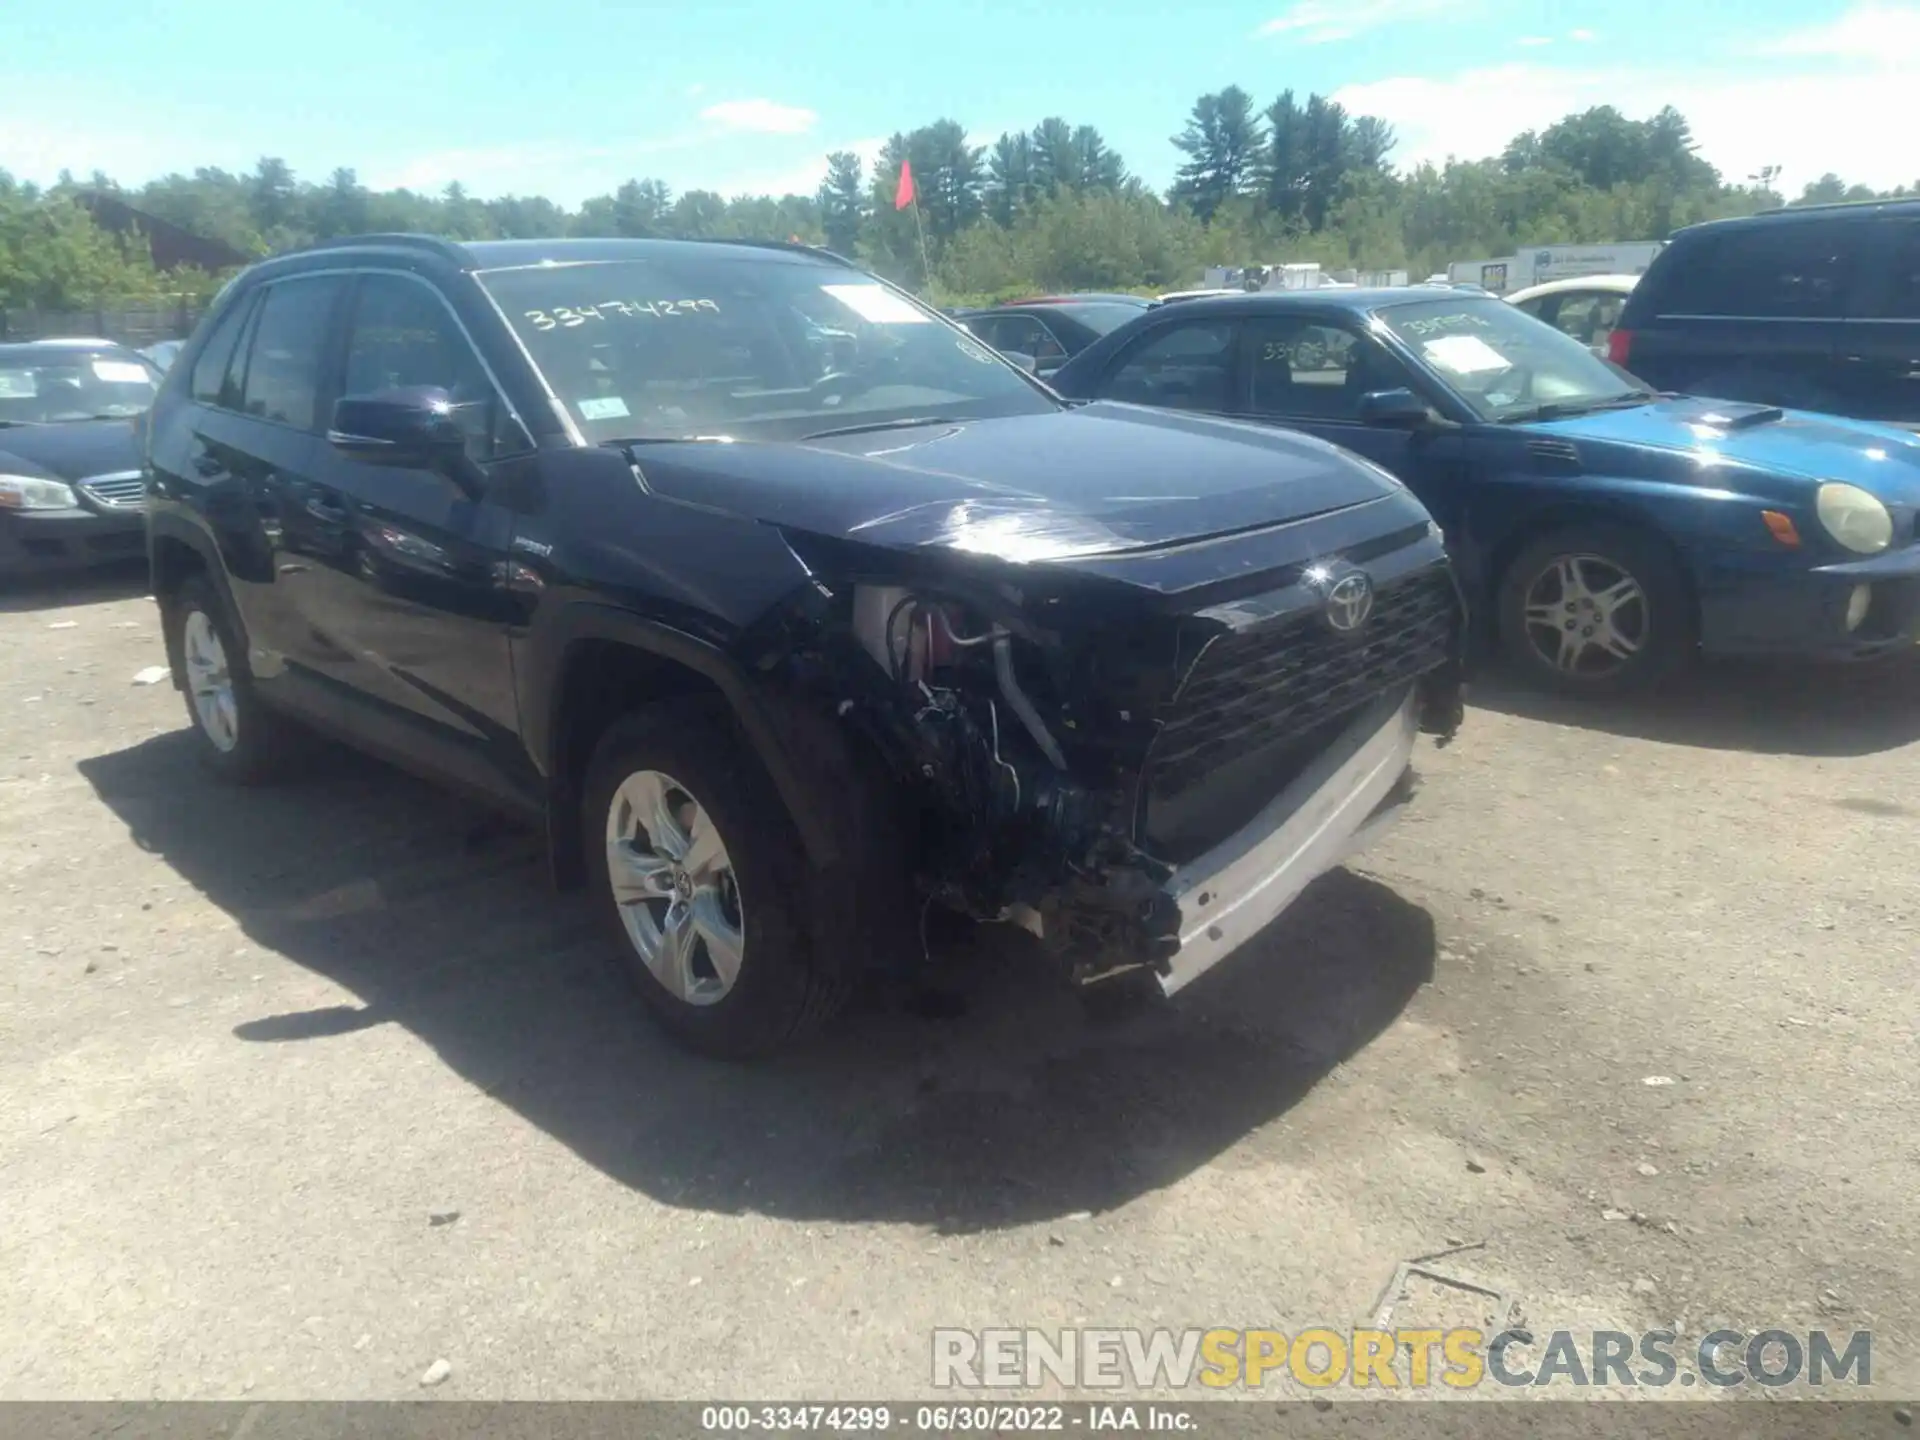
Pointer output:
789, 608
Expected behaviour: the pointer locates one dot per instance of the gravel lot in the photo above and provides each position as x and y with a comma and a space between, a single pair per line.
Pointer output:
308, 1088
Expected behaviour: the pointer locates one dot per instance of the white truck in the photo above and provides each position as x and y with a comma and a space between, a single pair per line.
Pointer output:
1538, 264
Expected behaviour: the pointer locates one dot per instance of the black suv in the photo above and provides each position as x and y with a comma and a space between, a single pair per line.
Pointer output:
785, 642
1816, 307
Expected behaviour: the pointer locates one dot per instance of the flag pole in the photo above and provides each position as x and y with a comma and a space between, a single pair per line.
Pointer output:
926, 266
906, 193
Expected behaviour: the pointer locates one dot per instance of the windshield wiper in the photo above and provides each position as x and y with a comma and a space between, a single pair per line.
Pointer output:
26, 424
1566, 409
670, 440
907, 424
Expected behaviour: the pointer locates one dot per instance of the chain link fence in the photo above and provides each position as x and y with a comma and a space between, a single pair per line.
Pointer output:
136, 323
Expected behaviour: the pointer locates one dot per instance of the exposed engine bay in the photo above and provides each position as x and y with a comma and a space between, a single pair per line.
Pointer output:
1054, 778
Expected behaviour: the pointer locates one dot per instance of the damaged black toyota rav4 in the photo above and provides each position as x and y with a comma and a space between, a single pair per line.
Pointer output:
788, 608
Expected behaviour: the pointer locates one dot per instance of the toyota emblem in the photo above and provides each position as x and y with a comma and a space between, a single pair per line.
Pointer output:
1349, 602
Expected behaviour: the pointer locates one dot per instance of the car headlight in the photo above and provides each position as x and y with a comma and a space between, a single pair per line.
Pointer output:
1854, 518
28, 492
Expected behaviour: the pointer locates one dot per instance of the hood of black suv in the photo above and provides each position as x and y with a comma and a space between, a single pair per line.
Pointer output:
1100, 479
76, 450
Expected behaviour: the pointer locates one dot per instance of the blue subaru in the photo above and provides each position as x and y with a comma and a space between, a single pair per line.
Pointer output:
1609, 533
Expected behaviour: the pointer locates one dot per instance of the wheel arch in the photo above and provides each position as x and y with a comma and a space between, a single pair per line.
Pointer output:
176, 553
1567, 515
591, 663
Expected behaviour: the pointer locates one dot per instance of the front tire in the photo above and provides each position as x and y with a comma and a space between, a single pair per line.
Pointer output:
1595, 610
237, 736
698, 876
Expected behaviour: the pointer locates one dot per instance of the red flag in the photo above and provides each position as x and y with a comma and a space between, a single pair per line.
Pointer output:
903, 192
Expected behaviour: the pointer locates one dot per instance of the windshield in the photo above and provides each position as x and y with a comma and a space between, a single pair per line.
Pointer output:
1503, 362
45, 384
749, 345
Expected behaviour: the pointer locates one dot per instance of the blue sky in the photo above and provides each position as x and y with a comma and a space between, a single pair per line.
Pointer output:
569, 99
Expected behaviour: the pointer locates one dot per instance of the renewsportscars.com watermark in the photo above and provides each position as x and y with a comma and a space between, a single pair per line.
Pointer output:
1319, 1358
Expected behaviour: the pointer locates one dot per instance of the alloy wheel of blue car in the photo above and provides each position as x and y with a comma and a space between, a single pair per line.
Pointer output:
1586, 615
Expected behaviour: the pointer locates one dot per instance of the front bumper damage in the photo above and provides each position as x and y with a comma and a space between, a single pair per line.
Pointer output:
1335, 808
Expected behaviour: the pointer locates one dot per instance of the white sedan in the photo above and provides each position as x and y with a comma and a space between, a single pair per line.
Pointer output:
1587, 307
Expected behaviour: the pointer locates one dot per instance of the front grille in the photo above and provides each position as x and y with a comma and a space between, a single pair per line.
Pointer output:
124, 491
1272, 685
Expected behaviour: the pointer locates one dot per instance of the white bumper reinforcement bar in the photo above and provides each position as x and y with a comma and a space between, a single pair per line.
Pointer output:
1328, 813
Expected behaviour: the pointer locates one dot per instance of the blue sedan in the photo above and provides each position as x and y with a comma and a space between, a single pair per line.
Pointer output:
1610, 533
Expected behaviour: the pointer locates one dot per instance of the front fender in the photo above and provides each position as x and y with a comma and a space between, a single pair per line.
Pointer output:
167, 527
543, 661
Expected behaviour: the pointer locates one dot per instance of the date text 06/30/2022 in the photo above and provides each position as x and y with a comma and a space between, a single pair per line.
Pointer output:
942, 1419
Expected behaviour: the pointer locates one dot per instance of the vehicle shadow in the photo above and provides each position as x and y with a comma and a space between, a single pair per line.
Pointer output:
1830, 711
121, 581
1023, 1109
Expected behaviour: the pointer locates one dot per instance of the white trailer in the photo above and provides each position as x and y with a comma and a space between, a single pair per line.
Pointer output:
1538, 264
1568, 262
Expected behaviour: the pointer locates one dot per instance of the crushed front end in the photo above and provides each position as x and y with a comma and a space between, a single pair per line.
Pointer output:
1142, 758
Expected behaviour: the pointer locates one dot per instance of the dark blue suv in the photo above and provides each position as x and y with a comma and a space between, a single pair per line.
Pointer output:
1815, 307
1606, 530
788, 609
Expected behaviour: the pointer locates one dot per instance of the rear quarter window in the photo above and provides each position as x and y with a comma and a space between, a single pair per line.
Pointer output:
1796, 269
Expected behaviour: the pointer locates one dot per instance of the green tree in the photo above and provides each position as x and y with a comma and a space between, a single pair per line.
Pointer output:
1010, 185
1222, 142
843, 203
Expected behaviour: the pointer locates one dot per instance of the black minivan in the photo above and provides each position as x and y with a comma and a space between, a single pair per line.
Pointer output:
1815, 307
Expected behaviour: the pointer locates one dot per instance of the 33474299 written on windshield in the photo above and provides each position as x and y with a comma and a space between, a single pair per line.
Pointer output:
1318, 1358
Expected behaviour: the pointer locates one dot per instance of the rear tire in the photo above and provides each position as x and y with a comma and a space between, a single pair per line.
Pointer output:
1596, 610
237, 736
698, 875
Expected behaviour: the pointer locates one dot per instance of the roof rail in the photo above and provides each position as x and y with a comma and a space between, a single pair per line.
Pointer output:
434, 244
1799, 209
799, 246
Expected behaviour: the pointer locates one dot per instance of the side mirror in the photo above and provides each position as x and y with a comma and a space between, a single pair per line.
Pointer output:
1393, 407
411, 427
1024, 361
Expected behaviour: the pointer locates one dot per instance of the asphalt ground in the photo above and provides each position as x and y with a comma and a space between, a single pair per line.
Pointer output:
307, 1089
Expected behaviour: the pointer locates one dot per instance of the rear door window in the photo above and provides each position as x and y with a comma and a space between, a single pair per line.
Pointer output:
289, 343
1899, 297
1793, 270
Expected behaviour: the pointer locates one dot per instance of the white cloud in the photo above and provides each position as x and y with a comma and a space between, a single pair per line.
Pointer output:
802, 178
563, 171
1322, 22
1875, 33
1807, 119
1580, 37
762, 116
39, 151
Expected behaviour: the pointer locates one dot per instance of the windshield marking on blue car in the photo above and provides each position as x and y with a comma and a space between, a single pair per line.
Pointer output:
877, 304
1454, 321
1464, 354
